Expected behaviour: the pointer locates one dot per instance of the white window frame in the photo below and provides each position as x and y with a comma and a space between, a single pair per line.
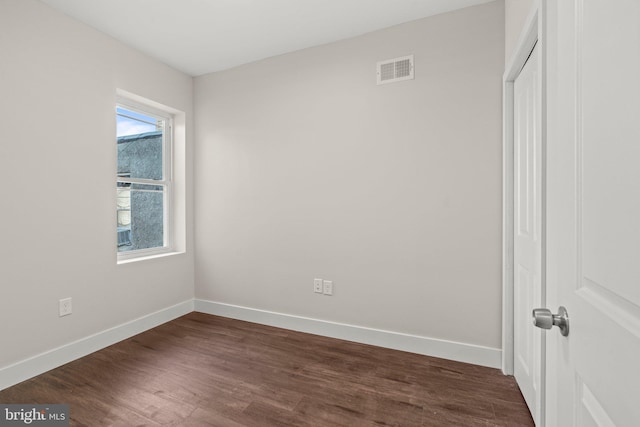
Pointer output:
167, 181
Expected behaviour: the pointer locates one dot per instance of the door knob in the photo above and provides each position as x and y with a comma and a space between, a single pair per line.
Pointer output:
543, 318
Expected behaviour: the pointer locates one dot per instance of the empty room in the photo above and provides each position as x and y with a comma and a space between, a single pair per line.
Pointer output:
320, 213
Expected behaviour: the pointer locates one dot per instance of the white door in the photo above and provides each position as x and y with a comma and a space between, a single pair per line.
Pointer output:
593, 212
527, 245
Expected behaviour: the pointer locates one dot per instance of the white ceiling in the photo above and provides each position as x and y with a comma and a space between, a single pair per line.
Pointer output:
202, 36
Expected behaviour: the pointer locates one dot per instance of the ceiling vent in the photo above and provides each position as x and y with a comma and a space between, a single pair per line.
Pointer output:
395, 70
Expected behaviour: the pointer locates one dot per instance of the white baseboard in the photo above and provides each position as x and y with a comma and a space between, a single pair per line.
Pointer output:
468, 353
36, 365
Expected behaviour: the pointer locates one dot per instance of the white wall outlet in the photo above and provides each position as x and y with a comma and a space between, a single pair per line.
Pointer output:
327, 287
317, 286
65, 307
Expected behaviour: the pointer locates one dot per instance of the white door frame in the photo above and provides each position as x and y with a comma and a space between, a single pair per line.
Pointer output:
532, 33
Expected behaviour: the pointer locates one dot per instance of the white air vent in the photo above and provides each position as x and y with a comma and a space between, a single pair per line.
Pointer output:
395, 70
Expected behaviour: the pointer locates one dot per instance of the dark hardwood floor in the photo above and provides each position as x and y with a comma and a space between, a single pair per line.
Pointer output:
202, 370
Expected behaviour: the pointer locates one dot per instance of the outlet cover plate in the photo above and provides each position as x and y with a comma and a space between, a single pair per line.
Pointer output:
327, 287
317, 286
65, 307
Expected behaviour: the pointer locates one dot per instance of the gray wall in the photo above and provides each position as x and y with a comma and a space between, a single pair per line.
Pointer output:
305, 168
58, 81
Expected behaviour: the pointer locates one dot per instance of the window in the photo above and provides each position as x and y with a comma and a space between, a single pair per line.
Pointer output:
143, 180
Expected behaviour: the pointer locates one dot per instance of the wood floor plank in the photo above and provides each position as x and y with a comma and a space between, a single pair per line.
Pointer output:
202, 370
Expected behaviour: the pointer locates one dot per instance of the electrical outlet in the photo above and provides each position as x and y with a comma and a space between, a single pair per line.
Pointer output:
327, 287
65, 307
317, 286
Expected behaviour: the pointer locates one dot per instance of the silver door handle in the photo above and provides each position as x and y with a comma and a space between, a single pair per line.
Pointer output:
543, 318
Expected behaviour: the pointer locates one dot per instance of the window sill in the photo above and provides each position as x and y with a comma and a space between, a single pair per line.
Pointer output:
145, 257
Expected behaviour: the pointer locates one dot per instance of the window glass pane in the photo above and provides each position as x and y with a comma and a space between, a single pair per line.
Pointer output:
142, 189
141, 226
140, 139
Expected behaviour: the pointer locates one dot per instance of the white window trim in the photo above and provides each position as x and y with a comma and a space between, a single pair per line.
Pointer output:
167, 181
